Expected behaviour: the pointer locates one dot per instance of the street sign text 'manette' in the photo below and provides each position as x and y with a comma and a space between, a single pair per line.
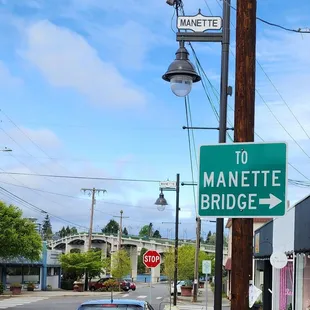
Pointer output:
243, 180
199, 23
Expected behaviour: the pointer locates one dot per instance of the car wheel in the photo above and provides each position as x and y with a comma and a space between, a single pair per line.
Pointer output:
92, 288
133, 289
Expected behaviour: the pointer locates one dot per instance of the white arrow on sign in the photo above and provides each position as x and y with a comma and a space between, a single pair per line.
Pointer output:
272, 201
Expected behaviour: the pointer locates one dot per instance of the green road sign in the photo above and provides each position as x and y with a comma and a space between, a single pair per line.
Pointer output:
242, 180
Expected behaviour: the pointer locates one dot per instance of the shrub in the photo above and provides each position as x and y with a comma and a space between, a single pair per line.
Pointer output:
1, 288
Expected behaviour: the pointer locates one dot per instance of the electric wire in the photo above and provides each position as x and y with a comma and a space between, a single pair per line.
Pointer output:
299, 30
79, 177
190, 152
195, 55
25, 150
31, 206
79, 198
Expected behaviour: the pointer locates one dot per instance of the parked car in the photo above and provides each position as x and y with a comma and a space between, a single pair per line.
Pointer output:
124, 285
179, 284
93, 286
127, 285
125, 304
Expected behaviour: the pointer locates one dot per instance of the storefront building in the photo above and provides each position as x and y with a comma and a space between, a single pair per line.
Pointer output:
283, 242
44, 273
263, 249
302, 254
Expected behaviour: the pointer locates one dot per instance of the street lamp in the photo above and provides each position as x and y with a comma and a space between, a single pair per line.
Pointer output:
181, 73
162, 202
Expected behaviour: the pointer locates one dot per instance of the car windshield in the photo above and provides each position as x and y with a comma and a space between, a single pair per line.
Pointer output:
101, 306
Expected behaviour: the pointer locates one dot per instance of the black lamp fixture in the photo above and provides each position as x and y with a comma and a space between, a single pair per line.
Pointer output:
181, 73
161, 201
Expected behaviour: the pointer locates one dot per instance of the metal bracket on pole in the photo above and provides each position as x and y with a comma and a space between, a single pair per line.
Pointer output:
207, 128
199, 36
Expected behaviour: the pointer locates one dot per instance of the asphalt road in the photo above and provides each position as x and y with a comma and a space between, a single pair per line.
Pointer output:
155, 295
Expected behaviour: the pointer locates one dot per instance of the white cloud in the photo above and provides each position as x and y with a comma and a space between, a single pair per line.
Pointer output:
7, 79
22, 136
131, 43
66, 60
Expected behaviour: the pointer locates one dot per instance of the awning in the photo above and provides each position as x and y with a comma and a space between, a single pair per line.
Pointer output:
228, 264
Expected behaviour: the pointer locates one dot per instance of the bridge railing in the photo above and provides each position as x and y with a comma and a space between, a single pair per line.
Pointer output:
159, 241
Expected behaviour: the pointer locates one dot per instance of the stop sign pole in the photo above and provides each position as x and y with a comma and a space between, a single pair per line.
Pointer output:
151, 259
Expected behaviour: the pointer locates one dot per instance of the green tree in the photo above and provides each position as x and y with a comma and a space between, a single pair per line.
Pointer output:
121, 265
19, 237
146, 231
169, 264
47, 232
80, 263
156, 234
141, 266
67, 231
186, 262
125, 231
62, 232
111, 228
208, 236
74, 230
212, 239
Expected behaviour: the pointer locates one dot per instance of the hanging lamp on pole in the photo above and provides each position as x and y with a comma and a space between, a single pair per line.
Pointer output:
181, 73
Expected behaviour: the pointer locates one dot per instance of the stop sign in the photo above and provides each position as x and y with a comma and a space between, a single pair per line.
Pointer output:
151, 259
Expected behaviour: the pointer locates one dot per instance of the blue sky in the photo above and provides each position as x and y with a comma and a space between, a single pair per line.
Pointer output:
82, 80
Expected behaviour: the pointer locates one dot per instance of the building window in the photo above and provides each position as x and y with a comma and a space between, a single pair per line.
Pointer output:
49, 271
31, 274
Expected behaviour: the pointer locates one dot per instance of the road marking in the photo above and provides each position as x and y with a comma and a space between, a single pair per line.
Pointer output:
125, 295
18, 301
142, 296
158, 297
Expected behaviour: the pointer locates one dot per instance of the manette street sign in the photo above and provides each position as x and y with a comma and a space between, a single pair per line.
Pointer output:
199, 23
242, 180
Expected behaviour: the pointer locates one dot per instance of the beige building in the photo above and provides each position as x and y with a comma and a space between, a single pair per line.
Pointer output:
257, 223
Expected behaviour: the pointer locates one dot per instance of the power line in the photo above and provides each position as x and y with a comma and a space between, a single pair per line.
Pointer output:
299, 30
80, 177
80, 198
31, 206
190, 150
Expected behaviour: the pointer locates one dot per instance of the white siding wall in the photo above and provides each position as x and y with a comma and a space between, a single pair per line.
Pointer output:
283, 232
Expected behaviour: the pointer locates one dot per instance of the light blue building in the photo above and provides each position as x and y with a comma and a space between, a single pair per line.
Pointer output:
44, 272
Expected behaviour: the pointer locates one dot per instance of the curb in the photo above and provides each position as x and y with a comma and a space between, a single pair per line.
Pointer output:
78, 294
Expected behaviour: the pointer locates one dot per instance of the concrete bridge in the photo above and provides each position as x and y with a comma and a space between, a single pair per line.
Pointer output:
108, 244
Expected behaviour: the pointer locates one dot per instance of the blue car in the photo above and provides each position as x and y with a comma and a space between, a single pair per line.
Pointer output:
119, 304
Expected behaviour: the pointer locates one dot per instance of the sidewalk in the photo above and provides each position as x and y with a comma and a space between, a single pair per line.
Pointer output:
58, 293
186, 302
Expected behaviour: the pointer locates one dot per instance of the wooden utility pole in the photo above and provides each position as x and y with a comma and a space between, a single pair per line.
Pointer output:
242, 229
196, 271
92, 192
119, 244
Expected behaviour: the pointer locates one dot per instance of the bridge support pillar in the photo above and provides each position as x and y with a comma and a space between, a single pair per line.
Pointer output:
155, 274
104, 250
68, 248
134, 262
